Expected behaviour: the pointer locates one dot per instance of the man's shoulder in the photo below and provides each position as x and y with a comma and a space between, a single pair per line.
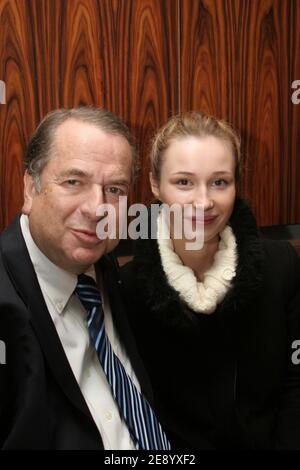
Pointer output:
7, 288
11, 236
13, 260
108, 264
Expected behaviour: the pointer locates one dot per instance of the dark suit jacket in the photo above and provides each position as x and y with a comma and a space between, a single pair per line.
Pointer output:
41, 405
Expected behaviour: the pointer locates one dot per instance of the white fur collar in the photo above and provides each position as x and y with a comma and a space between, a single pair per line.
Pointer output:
201, 297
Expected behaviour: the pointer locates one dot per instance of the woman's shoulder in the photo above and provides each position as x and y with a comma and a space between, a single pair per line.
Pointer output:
127, 274
282, 263
280, 251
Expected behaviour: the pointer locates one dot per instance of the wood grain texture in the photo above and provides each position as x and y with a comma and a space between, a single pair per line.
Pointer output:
147, 59
236, 64
63, 53
141, 70
18, 115
81, 58
294, 118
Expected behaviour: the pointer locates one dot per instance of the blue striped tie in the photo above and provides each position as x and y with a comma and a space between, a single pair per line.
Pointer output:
138, 415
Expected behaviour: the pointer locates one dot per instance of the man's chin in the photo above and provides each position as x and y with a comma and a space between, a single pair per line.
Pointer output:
87, 256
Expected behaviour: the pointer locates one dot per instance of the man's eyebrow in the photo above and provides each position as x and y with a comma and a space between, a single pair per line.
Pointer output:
74, 172
70, 173
119, 182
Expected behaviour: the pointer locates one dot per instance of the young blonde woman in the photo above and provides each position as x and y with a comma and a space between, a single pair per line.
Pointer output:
217, 327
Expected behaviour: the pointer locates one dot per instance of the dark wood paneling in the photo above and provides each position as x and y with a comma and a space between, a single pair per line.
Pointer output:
50, 58
18, 115
113, 53
294, 193
141, 70
207, 56
81, 53
236, 61
146, 59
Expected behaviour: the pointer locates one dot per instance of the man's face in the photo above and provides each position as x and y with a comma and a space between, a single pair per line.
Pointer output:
89, 167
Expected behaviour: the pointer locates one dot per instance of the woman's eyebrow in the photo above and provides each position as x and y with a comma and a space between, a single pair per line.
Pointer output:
222, 172
186, 173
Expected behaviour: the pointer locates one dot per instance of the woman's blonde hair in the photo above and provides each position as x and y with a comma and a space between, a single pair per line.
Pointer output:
195, 124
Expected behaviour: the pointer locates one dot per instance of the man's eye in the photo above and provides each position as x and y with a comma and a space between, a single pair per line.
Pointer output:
72, 182
114, 190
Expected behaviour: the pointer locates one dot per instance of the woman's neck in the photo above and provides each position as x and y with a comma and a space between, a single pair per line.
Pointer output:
198, 260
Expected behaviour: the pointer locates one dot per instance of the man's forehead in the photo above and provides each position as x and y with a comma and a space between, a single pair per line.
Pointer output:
85, 142
74, 130
74, 135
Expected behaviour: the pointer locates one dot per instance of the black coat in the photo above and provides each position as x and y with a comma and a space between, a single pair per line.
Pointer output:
41, 405
225, 380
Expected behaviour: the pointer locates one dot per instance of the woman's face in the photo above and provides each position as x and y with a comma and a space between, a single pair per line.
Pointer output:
199, 171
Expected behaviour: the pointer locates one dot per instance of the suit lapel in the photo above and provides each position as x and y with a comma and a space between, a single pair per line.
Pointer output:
19, 267
22, 275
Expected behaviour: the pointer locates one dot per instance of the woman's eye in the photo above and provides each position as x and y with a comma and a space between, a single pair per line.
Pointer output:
183, 182
220, 182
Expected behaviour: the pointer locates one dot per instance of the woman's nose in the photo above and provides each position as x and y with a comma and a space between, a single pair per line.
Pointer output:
202, 198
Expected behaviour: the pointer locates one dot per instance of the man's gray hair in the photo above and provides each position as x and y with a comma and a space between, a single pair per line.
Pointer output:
40, 147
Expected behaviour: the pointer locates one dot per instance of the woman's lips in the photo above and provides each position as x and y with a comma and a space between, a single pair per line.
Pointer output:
209, 220
87, 236
206, 220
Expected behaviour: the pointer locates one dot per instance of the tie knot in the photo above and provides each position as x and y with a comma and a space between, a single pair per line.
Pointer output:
87, 291
85, 280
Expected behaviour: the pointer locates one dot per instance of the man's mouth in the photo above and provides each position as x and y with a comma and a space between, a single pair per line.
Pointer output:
86, 236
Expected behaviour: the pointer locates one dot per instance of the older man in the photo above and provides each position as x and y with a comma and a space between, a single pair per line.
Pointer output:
72, 377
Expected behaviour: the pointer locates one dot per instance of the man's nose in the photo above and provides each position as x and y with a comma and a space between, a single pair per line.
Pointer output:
92, 200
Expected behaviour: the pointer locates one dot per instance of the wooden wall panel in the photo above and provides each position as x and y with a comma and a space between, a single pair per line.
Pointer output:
50, 58
113, 53
141, 70
294, 119
42, 20
236, 64
80, 53
146, 59
18, 116
207, 50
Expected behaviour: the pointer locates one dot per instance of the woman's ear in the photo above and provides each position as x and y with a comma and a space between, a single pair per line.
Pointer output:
154, 185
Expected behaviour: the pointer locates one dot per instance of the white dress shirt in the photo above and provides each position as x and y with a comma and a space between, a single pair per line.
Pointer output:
68, 315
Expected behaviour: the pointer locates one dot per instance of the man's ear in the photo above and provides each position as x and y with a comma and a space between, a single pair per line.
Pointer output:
29, 193
154, 186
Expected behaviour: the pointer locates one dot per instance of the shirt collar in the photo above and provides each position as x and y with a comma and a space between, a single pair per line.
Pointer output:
55, 282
